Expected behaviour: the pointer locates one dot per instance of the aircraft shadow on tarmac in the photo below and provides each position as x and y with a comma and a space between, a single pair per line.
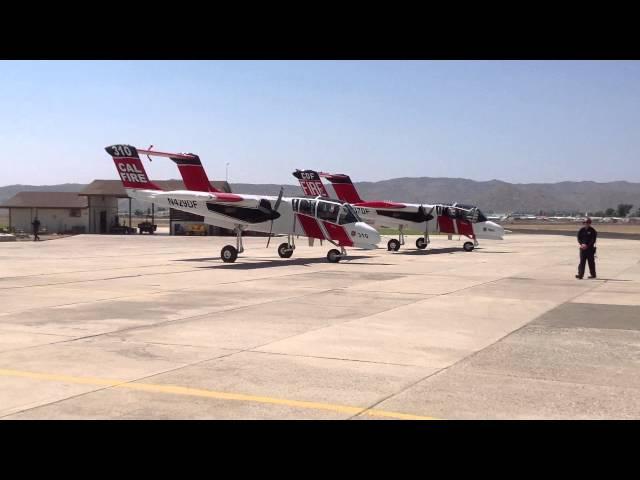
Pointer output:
436, 251
275, 263
613, 279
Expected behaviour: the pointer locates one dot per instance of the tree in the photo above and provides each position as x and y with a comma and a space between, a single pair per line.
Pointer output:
624, 209
609, 212
637, 214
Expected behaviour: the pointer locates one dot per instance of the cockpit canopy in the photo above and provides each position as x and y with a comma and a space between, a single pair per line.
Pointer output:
327, 210
462, 212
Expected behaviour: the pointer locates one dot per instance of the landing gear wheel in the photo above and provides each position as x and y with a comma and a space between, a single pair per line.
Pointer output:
468, 246
421, 243
285, 250
229, 254
334, 255
393, 244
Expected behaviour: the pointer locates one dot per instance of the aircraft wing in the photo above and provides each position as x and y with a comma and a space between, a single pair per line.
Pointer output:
387, 205
176, 196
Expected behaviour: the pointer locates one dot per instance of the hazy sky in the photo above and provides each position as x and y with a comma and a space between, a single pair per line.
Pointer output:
518, 121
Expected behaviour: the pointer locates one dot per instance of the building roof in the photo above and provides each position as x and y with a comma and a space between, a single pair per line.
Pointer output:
114, 188
45, 200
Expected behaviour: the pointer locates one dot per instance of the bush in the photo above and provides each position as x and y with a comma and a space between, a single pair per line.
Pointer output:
624, 209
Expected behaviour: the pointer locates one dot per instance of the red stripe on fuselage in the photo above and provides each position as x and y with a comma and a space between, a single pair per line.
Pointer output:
465, 228
310, 226
446, 224
338, 234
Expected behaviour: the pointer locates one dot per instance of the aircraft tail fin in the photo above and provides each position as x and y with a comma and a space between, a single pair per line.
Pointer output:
311, 183
130, 168
345, 190
193, 174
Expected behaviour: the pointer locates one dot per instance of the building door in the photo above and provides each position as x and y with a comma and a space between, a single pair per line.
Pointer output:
103, 221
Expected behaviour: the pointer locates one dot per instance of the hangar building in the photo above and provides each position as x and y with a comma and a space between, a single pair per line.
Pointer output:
58, 212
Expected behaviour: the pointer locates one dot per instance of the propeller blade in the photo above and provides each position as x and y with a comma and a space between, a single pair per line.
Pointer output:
277, 205
275, 209
270, 230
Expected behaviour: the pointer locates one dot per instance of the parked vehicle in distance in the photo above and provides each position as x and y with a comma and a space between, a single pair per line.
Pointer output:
148, 227
196, 229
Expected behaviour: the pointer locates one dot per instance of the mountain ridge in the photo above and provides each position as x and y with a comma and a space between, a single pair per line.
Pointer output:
490, 195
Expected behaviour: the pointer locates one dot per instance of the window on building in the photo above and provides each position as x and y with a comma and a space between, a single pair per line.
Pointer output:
76, 212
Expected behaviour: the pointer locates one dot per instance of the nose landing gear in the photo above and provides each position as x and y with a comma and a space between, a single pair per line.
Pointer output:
285, 250
334, 256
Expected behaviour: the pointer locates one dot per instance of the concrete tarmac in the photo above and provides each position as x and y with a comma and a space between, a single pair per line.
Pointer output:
155, 327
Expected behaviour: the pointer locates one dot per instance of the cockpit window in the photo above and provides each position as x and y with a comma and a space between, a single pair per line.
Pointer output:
347, 215
458, 213
463, 212
306, 207
328, 211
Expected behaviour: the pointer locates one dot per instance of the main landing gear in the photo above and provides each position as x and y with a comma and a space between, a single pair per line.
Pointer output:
393, 245
229, 253
423, 242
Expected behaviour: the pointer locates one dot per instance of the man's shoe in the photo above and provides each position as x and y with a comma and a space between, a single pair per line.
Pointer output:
578, 277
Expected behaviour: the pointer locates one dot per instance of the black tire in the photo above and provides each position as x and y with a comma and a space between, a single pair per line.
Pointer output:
285, 250
393, 244
334, 255
229, 254
421, 243
468, 246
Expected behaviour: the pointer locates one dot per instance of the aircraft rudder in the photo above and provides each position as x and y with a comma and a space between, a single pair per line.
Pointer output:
130, 168
311, 183
193, 174
344, 187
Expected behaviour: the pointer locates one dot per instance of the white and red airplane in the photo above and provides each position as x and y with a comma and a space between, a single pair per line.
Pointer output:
331, 220
452, 219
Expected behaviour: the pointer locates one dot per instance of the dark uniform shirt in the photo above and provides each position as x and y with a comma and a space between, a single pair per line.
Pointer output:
587, 235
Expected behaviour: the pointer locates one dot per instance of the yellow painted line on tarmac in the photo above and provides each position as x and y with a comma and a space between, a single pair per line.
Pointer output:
196, 392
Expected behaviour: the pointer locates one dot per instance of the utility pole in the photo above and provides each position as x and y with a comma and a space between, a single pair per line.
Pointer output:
227, 173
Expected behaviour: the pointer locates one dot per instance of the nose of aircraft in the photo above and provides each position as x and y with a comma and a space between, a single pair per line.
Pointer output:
366, 236
489, 230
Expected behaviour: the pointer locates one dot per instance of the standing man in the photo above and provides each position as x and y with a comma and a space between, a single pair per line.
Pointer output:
36, 227
587, 240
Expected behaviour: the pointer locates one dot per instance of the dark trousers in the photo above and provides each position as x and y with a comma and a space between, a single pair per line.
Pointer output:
587, 256
35, 235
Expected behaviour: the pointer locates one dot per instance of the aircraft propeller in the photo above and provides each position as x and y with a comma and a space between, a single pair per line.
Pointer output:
275, 209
